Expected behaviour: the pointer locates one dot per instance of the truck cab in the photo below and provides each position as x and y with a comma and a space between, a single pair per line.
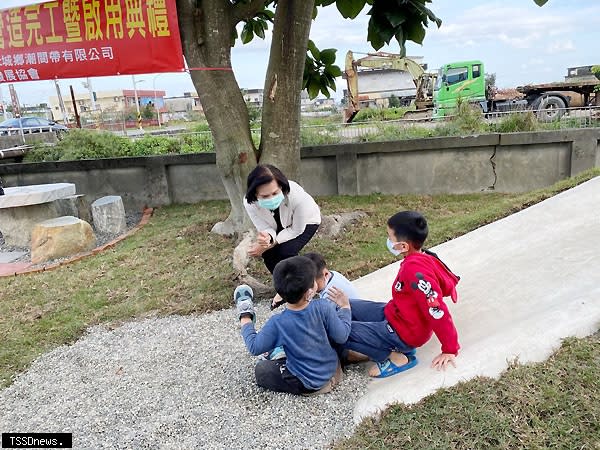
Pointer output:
464, 80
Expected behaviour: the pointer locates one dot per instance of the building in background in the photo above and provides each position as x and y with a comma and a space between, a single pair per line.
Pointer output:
180, 107
107, 101
253, 97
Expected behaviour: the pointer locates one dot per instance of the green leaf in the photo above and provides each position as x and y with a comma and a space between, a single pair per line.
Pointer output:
373, 35
328, 56
349, 9
325, 91
334, 71
313, 89
313, 49
258, 29
395, 17
415, 31
247, 33
540, 2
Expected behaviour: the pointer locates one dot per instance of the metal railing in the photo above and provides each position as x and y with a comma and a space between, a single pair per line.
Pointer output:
372, 131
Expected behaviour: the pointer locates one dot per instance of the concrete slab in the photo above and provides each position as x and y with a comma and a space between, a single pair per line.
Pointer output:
35, 194
9, 257
527, 282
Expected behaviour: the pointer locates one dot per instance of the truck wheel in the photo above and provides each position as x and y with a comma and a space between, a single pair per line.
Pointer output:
550, 108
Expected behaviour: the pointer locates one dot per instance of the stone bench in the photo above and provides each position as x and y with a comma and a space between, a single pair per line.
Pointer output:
21, 208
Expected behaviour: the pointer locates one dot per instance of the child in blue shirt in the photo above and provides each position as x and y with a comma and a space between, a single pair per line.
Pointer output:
304, 330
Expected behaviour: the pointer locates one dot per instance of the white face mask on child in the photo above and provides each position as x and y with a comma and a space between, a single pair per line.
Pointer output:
390, 246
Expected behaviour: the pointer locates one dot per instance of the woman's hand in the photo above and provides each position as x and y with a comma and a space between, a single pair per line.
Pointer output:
256, 250
264, 239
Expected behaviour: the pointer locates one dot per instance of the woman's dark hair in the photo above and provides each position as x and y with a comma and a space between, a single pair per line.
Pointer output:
263, 174
409, 226
294, 276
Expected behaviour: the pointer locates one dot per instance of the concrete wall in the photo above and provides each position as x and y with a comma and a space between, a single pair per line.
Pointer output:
514, 162
15, 140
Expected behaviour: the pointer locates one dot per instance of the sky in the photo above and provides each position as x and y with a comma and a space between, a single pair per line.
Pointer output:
517, 40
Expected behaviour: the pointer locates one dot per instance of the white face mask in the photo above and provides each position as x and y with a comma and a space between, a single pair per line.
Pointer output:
390, 246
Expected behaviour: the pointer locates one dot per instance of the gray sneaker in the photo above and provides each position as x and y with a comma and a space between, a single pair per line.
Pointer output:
242, 296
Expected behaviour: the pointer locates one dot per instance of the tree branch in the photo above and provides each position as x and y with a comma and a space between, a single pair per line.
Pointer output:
244, 11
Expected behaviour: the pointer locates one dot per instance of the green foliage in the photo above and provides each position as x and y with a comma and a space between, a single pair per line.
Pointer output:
86, 144
42, 152
254, 113
310, 136
153, 145
197, 143
255, 26
148, 112
320, 71
517, 122
379, 114
469, 118
400, 21
393, 101
200, 127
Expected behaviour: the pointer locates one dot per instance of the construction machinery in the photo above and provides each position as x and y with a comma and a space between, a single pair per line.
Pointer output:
424, 82
465, 81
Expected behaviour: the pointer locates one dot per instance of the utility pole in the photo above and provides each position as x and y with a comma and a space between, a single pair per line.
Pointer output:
61, 103
77, 119
2, 102
91, 91
156, 99
137, 104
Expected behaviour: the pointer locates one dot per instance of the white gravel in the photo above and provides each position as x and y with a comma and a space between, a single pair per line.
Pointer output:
171, 383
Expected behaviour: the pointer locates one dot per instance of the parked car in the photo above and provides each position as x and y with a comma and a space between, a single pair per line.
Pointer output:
30, 125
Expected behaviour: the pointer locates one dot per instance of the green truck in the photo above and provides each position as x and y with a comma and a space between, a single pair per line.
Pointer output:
465, 80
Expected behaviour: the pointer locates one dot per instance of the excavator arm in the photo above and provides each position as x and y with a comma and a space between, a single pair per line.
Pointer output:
384, 61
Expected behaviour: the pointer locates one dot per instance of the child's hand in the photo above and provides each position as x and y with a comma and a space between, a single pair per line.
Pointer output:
338, 297
443, 361
276, 302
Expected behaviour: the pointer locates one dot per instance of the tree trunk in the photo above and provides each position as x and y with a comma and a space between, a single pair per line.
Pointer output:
280, 133
206, 37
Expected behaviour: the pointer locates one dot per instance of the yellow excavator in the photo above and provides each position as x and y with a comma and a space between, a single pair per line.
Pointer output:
424, 81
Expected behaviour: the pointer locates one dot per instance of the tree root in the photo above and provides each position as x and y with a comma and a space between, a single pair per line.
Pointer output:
240, 267
333, 225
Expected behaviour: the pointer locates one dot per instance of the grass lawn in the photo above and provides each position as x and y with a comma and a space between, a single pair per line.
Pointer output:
174, 265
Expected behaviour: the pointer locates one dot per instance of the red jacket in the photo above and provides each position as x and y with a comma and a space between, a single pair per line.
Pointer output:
417, 309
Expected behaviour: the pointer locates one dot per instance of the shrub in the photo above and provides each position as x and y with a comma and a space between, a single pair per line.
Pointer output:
42, 152
517, 122
469, 118
86, 144
153, 145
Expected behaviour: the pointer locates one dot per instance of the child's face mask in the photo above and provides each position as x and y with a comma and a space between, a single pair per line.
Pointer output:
390, 246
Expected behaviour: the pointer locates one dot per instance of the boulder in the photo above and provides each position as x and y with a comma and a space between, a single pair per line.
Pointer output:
74, 205
60, 237
108, 214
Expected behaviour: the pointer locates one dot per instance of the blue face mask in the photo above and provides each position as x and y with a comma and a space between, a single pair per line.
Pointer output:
390, 246
271, 203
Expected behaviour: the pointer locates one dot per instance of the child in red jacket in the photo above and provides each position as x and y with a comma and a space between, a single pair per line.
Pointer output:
388, 333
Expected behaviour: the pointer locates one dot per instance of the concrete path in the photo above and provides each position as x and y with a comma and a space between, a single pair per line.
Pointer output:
527, 281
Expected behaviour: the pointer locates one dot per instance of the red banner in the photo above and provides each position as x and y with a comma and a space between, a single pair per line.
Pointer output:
83, 38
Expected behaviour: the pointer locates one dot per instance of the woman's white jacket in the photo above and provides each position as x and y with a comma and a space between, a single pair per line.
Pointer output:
297, 210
